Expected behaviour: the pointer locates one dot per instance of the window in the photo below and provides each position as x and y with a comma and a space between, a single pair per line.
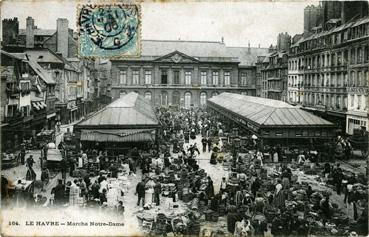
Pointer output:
215, 78
188, 77
243, 78
135, 77
176, 77
176, 98
187, 100
24, 86
203, 78
359, 102
352, 100
25, 111
148, 95
164, 77
148, 78
203, 98
123, 77
227, 78
164, 98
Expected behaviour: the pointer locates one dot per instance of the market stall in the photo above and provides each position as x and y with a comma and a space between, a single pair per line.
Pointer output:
128, 122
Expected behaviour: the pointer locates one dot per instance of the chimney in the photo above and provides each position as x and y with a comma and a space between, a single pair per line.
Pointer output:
222, 40
249, 50
62, 36
30, 37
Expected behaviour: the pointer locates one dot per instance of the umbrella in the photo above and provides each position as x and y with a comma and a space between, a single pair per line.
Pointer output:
254, 137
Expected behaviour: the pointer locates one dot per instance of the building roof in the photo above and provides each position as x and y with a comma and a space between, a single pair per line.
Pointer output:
42, 73
247, 56
33, 64
267, 112
39, 32
191, 48
203, 51
18, 56
206, 51
127, 111
43, 56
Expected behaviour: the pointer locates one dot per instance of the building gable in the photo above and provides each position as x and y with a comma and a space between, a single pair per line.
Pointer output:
176, 57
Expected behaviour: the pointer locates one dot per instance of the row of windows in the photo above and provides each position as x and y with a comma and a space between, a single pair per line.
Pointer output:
334, 38
337, 102
349, 56
176, 77
357, 78
357, 122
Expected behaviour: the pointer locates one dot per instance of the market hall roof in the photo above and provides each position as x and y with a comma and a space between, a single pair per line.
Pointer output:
266, 112
130, 111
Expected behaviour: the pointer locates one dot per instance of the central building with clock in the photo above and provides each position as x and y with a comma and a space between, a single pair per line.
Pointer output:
186, 73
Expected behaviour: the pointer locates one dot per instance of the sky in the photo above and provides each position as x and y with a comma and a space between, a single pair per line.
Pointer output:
238, 22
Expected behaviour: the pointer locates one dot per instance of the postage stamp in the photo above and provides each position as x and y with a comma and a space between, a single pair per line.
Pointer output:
109, 31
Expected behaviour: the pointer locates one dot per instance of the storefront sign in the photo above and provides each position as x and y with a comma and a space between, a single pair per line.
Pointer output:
357, 90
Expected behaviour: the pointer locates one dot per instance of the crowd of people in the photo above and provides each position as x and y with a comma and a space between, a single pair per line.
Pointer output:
255, 196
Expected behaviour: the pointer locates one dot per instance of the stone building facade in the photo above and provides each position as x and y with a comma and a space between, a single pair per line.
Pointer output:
185, 73
328, 73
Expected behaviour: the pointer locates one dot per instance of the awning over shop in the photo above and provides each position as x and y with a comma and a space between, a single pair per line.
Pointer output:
119, 135
36, 105
73, 108
43, 104
50, 115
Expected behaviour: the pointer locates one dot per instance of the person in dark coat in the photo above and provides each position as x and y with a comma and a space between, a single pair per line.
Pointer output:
72, 165
255, 186
103, 197
157, 192
232, 217
204, 143
140, 191
209, 143
23, 153
63, 168
95, 189
338, 176
59, 192
210, 188
31, 175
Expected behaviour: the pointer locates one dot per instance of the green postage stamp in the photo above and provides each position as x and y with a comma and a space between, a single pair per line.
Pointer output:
109, 30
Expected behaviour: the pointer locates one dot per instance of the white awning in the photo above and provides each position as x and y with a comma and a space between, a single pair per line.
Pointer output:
50, 115
40, 105
36, 105
43, 104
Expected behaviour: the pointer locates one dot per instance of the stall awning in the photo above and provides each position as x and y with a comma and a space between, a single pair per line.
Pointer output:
43, 104
36, 105
119, 135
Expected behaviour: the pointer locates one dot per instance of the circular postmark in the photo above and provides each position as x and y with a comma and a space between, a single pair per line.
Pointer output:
109, 27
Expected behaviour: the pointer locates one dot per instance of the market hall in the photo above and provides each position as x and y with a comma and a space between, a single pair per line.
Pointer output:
127, 122
272, 121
